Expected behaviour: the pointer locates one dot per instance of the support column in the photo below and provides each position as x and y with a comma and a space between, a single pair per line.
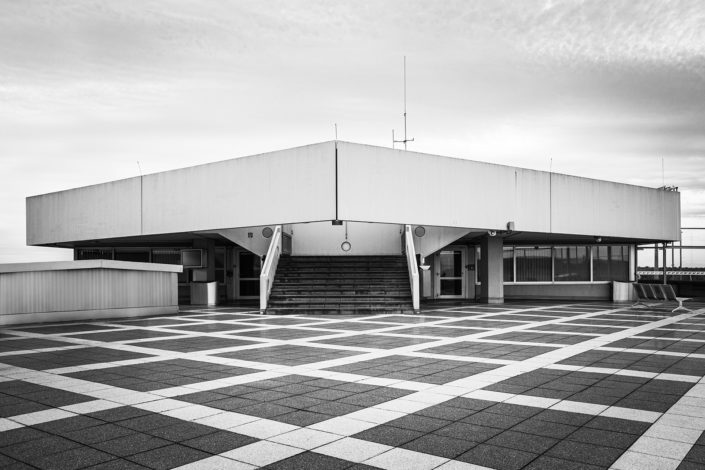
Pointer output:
492, 270
206, 274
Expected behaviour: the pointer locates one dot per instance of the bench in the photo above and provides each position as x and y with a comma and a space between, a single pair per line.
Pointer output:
650, 295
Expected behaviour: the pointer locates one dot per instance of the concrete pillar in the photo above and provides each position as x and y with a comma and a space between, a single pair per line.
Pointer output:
492, 270
206, 274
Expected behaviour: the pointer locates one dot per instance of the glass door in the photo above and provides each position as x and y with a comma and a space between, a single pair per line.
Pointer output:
248, 269
450, 273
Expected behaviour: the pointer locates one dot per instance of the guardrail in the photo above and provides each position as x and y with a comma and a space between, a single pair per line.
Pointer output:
413, 267
269, 268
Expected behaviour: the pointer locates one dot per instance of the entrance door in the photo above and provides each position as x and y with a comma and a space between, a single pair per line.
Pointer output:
247, 271
450, 273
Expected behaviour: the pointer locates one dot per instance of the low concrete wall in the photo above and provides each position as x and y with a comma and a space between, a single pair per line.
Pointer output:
564, 291
82, 290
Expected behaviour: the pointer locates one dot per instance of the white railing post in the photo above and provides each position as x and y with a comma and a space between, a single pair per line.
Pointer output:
269, 268
413, 268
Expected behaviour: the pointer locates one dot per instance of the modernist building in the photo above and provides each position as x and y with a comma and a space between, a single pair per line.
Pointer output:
479, 230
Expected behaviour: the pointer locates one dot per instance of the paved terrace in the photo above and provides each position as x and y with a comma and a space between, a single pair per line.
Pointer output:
532, 386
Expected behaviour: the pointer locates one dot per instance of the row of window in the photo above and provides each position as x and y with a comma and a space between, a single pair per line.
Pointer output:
153, 255
566, 263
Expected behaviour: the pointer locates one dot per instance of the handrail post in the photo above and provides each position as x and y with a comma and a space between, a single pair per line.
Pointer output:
410, 252
269, 268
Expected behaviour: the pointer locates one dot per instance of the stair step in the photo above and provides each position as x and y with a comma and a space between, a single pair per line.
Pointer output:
340, 284
337, 311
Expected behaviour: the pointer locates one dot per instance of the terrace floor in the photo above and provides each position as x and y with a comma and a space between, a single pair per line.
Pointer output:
513, 386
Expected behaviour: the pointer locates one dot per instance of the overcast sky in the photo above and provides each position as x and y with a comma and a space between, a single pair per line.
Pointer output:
606, 89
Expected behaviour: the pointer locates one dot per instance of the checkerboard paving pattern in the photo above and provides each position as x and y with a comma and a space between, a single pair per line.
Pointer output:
463, 386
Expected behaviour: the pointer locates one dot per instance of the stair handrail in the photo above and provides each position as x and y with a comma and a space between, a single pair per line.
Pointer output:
269, 268
413, 267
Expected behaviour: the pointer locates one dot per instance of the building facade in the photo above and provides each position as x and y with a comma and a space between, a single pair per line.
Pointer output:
480, 231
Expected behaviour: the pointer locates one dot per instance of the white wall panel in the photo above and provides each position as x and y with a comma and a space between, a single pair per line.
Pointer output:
375, 184
384, 185
279, 187
594, 207
93, 212
324, 239
436, 238
274, 188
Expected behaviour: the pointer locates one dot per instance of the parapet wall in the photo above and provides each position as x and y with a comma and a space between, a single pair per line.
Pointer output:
85, 290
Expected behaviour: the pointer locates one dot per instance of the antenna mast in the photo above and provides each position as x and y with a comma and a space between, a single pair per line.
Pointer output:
405, 140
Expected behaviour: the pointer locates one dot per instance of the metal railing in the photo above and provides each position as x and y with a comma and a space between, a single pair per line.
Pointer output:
408, 248
269, 268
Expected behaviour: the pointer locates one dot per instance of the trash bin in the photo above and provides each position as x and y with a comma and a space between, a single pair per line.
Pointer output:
622, 292
204, 293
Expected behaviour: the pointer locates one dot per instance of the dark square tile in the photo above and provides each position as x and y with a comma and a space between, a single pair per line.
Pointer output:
61, 328
149, 422
20, 435
302, 418
265, 410
27, 451
288, 355
526, 442
585, 453
219, 442
466, 431
419, 423
171, 456
551, 463
433, 444
30, 344
131, 444
545, 428
70, 358
499, 458
181, 431
118, 464
73, 459
118, 414
603, 437
284, 333
485, 418
210, 327
194, 343
310, 461
388, 435
123, 335
100, 433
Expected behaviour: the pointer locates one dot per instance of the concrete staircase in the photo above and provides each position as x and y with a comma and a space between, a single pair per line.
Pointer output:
341, 285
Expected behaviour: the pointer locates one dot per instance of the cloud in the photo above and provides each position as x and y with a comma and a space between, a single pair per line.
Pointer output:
606, 88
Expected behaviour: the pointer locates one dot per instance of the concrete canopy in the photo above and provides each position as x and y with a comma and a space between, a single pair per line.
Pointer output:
354, 182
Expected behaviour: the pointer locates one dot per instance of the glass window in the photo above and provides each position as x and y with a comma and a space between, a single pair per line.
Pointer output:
451, 287
571, 263
219, 258
166, 256
250, 265
94, 253
533, 264
508, 264
451, 263
139, 256
610, 263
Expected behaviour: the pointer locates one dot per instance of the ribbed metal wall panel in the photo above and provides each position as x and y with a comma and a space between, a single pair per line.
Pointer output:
89, 289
